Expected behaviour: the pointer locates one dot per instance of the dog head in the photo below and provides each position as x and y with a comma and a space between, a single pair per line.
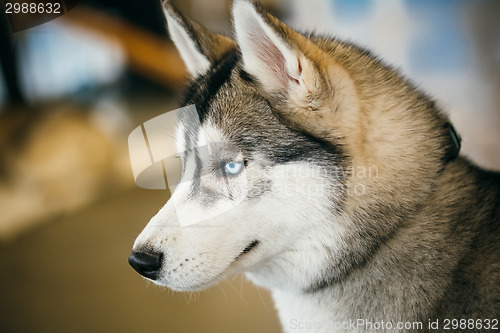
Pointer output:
283, 117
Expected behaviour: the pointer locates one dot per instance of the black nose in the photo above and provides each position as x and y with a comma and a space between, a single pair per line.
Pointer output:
147, 264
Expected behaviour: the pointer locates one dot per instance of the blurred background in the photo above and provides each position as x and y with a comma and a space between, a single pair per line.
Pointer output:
72, 89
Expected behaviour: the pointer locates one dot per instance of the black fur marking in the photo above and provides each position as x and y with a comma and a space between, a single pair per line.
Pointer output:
454, 143
309, 149
249, 248
204, 88
196, 184
245, 76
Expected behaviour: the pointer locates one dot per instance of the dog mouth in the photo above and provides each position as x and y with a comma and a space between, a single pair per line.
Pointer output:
248, 248
252, 245
200, 286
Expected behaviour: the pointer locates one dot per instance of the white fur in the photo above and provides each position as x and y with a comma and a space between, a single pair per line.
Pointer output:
195, 61
180, 142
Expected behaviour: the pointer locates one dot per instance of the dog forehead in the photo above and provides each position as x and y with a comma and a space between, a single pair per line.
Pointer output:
205, 135
210, 133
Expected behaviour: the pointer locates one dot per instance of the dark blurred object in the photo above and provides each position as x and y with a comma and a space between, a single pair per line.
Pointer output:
8, 62
146, 14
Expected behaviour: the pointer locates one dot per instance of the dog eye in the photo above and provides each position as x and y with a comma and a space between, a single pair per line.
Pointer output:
233, 168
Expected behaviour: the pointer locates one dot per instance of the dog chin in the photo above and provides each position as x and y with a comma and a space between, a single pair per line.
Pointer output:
187, 286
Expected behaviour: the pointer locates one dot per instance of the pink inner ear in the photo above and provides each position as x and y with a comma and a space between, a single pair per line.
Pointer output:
270, 55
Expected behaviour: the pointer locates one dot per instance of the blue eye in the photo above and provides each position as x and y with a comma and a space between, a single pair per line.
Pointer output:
233, 168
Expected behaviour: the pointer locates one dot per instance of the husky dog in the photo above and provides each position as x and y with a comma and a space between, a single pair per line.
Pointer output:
353, 206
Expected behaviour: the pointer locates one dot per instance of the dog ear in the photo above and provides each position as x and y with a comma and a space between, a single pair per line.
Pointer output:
198, 47
273, 52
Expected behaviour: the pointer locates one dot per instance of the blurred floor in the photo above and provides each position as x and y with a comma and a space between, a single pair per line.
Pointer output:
72, 275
